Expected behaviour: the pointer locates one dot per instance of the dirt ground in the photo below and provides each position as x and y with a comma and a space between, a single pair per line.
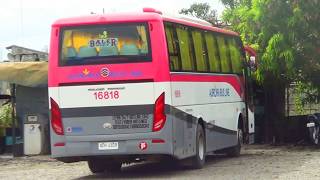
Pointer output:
255, 162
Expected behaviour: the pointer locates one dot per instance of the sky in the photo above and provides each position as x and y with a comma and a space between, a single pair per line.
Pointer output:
27, 23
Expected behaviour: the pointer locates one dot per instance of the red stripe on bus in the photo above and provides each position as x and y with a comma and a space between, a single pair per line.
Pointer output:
233, 80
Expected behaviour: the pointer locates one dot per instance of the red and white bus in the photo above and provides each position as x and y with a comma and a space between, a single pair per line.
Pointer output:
134, 86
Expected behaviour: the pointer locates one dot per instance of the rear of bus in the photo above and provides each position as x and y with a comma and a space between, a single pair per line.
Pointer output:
104, 99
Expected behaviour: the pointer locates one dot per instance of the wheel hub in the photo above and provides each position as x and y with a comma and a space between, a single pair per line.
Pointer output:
201, 147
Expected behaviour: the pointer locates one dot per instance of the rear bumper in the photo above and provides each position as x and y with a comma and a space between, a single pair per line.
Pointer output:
78, 145
128, 144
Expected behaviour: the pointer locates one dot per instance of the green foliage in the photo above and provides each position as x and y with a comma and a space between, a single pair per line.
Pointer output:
201, 11
6, 115
235, 3
298, 98
304, 93
286, 35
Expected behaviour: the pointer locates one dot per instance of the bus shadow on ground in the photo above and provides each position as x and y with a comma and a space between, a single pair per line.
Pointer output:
154, 169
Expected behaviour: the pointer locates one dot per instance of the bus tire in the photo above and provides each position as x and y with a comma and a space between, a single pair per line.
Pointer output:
115, 167
314, 133
100, 166
96, 165
199, 159
236, 150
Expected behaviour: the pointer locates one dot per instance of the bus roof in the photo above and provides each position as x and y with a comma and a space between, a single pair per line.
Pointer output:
138, 17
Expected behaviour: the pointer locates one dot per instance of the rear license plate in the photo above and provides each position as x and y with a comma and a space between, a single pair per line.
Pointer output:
108, 145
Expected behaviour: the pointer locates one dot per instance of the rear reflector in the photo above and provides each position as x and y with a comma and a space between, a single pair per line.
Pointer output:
56, 120
158, 141
59, 144
159, 117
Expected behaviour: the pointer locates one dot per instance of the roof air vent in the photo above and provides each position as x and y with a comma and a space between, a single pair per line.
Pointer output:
151, 10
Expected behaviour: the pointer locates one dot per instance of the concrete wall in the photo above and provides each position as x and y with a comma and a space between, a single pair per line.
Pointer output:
308, 108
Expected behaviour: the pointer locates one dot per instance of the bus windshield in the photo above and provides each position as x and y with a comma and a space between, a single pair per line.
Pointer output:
102, 44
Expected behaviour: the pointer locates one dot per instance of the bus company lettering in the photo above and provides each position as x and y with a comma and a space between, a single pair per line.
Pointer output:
219, 92
112, 74
96, 89
81, 75
125, 74
130, 121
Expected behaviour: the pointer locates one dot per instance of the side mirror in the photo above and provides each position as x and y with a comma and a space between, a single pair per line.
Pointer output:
252, 62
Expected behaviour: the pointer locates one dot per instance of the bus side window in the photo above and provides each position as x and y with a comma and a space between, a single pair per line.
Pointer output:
185, 48
224, 55
199, 50
174, 59
235, 56
213, 53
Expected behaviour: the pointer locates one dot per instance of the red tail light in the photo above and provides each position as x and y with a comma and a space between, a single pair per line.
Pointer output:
56, 121
59, 144
159, 118
159, 141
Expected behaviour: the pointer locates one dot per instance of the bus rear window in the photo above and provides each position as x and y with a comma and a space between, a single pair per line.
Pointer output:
104, 44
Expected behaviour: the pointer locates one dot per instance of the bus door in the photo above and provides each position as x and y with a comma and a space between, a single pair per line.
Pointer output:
250, 68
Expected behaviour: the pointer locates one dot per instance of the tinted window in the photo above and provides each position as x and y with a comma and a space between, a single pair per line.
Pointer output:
199, 50
213, 54
173, 51
235, 55
224, 55
97, 44
185, 46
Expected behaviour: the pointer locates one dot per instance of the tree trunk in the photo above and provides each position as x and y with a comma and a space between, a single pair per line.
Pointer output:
274, 123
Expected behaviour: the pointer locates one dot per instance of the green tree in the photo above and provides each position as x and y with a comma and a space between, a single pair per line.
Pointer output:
286, 35
5, 115
201, 11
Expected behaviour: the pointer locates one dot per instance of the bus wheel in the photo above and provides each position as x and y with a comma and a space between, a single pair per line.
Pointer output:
114, 167
97, 165
235, 151
199, 160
